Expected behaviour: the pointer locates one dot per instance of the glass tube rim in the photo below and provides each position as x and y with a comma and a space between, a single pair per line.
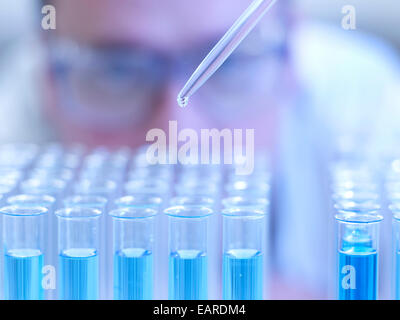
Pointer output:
207, 200
355, 194
354, 185
188, 212
229, 202
72, 213
8, 182
238, 212
37, 182
16, 211
394, 196
89, 184
153, 200
132, 213
395, 209
6, 189
367, 206
45, 198
248, 185
144, 183
358, 218
393, 186
95, 199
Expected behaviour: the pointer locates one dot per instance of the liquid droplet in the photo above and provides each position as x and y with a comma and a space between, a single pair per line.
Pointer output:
183, 101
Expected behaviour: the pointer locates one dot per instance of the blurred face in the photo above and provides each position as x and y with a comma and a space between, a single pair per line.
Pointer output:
116, 68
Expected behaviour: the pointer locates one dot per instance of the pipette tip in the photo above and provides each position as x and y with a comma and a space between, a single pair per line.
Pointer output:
182, 101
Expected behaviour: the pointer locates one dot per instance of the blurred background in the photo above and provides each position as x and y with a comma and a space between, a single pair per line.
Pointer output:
314, 92
377, 17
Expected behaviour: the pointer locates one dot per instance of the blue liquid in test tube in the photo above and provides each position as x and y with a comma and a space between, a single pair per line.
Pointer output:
243, 274
24, 252
188, 265
133, 274
365, 263
243, 244
397, 276
79, 274
134, 229
188, 275
358, 233
23, 274
395, 209
78, 247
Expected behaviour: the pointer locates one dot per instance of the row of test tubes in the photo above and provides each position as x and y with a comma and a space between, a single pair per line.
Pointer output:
79, 224
362, 194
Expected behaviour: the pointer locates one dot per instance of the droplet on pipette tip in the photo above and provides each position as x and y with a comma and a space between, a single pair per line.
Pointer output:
183, 101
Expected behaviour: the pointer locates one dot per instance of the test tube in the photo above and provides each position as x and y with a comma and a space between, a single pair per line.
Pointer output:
23, 242
357, 250
355, 196
200, 188
54, 187
395, 209
107, 189
144, 186
86, 201
32, 200
139, 201
248, 188
193, 200
134, 232
246, 203
188, 252
243, 254
78, 247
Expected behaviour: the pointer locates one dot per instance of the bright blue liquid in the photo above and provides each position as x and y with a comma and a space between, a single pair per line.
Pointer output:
364, 261
133, 274
23, 275
242, 275
79, 274
188, 275
397, 276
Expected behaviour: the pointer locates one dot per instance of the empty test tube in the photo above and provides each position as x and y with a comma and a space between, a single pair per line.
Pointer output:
23, 242
193, 200
139, 201
134, 233
86, 201
246, 188
145, 186
53, 187
243, 254
188, 234
105, 188
32, 200
355, 195
357, 250
246, 203
199, 188
78, 247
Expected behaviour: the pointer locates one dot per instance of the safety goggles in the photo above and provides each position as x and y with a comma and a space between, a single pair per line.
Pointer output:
116, 86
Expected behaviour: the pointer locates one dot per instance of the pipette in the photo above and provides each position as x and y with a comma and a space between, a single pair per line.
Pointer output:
224, 48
